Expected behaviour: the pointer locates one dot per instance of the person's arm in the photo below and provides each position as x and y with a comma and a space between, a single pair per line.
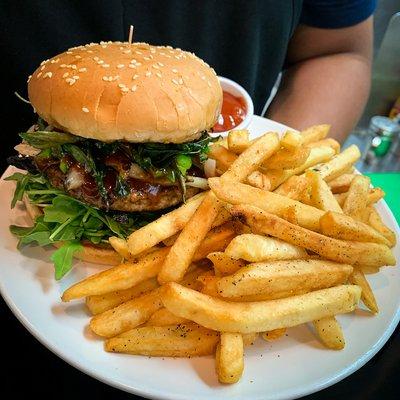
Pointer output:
327, 79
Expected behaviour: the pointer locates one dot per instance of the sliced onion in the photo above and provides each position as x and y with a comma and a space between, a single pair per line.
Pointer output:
200, 183
27, 150
74, 179
210, 168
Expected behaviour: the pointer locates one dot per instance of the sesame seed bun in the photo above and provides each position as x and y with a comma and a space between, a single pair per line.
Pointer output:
134, 92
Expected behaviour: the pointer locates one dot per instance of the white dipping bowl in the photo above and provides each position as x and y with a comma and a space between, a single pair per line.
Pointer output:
238, 91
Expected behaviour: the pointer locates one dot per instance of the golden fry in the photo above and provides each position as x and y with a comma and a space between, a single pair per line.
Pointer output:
367, 295
229, 357
260, 316
330, 332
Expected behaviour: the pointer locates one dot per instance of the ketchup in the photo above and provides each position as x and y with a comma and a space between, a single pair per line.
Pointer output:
232, 114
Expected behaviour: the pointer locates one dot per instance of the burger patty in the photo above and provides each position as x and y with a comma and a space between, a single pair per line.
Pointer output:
142, 195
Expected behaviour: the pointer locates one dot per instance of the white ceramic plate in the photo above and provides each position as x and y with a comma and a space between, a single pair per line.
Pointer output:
292, 367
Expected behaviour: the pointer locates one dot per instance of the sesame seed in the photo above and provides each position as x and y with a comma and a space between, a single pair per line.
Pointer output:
121, 47
63, 65
131, 66
90, 51
78, 57
70, 81
114, 78
134, 87
69, 52
148, 73
180, 81
42, 68
152, 50
73, 66
43, 62
127, 51
135, 76
65, 75
100, 62
84, 109
175, 81
156, 66
121, 85
75, 77
208, 83
203, 77
162, 53
105, 78
48, 75
119, 66
160, 64
82, 69
106, 65
133, 61
138, 64
124, 89
147, 58
104, 46
159, 74
38, 75
174, 70
96, 58
138, 52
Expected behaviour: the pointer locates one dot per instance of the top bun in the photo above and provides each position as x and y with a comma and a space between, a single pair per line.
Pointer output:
121, 91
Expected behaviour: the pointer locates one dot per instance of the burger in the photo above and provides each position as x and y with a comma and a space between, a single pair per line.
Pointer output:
122, 137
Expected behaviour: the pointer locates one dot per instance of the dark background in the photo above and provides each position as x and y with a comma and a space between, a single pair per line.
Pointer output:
31, 31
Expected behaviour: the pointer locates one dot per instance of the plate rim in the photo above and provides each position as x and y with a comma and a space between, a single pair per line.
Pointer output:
292, 393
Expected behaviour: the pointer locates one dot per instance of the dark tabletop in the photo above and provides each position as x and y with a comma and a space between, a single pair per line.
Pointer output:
31, 370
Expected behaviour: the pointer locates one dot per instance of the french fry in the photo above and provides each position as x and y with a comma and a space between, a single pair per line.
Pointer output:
338, 164
120, 246
182, 251
210, 288
256, 248
287, 159
354, 253
321, 195
103, 302
238, 141
330, 332
316, 156
239, 193
374, 195
342, 183
357, 197
367, 295
249, 338
223, 157
183, 340
164, 317
314, 133
127, 275
376, 222
127, 315
338, 226
164, 227
121, 277
275, 334
259, 180
293, 188
229, 357
224, 264
260, 316
329, 142
291, 140
283, 278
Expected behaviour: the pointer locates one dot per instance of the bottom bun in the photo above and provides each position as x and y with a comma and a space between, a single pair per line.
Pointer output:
90, 252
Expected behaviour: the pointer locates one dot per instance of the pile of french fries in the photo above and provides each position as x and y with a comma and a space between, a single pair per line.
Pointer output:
284, 236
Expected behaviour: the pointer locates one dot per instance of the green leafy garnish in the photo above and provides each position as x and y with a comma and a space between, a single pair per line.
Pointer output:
48, 139
68, 221
62, 258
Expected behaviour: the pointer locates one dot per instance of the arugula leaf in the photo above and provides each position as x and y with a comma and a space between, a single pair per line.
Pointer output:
48, 139
22, 180
62, 258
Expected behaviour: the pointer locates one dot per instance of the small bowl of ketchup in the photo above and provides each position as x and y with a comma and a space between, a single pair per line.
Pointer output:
237, 107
